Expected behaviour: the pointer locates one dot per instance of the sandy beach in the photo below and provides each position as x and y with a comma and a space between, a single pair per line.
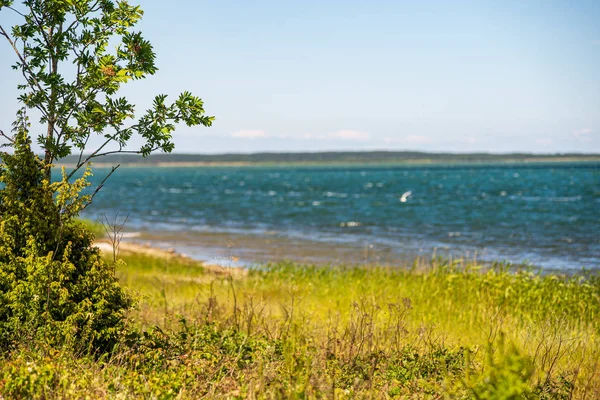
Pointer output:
125, 248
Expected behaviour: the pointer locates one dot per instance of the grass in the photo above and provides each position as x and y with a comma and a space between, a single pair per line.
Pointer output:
439, 330
95, 227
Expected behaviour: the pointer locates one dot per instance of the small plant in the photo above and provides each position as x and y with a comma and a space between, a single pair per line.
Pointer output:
506, 375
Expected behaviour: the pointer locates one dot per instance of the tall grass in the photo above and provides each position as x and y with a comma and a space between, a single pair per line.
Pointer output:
438, 330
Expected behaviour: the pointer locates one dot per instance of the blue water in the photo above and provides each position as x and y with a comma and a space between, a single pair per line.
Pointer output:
546, 215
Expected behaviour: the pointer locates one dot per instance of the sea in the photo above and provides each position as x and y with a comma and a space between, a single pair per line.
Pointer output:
542, 215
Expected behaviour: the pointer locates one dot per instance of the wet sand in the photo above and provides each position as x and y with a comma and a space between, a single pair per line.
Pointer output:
244, 250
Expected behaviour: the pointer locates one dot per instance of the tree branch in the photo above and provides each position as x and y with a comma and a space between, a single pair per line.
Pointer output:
123, 152
97, 153
99, 187
93, 155
26, 66
30, 79
15, 10
83, 148
7, 137
40, 26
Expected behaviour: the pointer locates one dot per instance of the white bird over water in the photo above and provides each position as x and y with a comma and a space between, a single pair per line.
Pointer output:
404, 197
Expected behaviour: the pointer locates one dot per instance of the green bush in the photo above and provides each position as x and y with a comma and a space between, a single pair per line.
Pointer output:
54, 286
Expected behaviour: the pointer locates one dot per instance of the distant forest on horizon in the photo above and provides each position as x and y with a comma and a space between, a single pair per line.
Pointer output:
379, 157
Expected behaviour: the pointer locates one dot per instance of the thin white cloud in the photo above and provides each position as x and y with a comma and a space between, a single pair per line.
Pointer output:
544, 141
582, 132
348, 134
249, 134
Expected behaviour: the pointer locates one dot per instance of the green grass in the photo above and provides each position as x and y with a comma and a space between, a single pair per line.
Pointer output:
94, 227
440, 330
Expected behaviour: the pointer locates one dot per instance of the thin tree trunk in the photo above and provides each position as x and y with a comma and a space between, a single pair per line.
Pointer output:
49, 155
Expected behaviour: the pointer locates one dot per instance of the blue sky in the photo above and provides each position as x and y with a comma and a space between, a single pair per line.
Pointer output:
354, 75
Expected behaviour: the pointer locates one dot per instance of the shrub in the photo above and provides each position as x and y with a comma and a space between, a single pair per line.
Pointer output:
54, 286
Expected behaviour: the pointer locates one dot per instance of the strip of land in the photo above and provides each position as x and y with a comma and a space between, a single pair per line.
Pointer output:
330, 158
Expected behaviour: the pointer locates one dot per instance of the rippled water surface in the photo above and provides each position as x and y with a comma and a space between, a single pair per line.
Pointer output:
548, 215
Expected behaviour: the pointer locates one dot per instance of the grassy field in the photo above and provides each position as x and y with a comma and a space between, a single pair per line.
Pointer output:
439, 330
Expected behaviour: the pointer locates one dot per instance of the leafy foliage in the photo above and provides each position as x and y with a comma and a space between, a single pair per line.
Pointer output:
54, 286
72, 78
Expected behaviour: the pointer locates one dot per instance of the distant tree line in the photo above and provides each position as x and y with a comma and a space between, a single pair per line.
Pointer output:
367, 157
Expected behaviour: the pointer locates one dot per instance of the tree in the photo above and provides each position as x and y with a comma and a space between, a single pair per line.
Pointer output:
72, 79
54, 286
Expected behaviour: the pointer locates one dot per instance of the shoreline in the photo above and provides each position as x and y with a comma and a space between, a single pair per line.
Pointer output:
265, 250
129, 248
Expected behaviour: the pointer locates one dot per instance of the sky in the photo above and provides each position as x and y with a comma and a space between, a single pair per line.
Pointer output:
314, 75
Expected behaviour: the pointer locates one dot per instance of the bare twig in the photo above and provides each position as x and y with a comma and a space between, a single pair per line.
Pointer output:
114, 232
